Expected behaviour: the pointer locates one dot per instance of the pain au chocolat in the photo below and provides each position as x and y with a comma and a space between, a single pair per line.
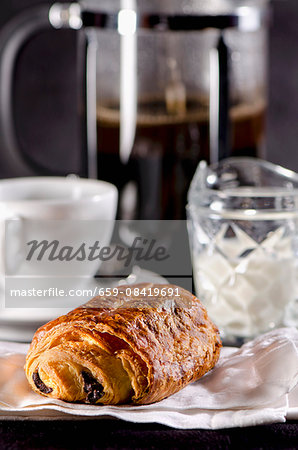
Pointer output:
137, 348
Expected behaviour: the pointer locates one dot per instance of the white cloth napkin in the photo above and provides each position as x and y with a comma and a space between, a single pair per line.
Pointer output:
256, 384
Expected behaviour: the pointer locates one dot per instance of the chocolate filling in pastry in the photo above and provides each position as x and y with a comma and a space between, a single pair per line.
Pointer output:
93, 389
40, 384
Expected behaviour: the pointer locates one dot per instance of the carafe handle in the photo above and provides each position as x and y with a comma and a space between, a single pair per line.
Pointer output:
13, 36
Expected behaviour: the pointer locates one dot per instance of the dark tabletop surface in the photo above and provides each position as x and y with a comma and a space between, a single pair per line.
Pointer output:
114, 434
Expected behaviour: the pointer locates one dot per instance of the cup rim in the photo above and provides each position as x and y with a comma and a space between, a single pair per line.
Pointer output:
99, 189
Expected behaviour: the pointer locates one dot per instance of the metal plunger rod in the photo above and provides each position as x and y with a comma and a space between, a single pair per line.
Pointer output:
220, 147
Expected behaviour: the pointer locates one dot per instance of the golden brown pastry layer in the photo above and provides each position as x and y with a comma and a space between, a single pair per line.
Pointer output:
137, 349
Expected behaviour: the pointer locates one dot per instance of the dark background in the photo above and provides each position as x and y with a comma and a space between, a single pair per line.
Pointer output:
46, 99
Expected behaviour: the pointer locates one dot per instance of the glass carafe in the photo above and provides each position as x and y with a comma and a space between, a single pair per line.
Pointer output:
169, 83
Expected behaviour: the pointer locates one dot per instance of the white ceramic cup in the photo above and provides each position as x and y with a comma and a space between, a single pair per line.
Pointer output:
69, 210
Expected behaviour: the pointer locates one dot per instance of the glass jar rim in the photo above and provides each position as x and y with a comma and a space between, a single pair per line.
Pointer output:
228, 195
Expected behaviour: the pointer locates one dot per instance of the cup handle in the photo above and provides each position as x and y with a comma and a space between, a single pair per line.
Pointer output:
13, 245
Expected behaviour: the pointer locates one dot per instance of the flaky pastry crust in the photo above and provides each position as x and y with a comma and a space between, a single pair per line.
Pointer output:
124, 350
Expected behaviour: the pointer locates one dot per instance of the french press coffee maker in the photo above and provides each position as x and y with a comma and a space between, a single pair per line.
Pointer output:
168, 83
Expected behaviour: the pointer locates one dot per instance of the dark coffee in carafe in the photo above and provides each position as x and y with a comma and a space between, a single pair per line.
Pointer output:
166, 151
